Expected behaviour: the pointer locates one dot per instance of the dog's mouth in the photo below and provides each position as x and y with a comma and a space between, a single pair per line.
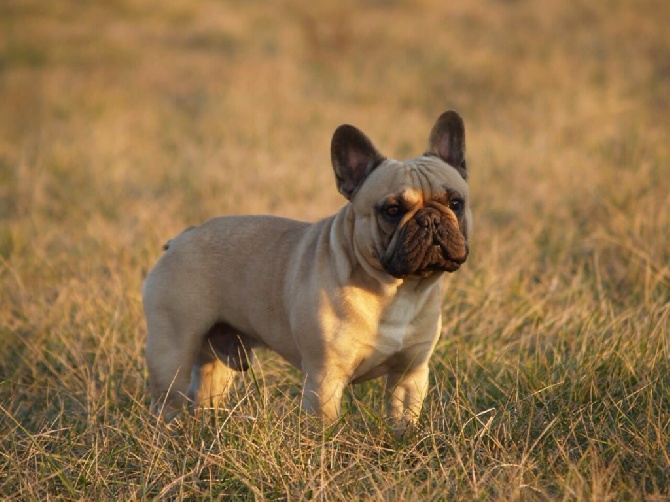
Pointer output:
423, 250
402, 270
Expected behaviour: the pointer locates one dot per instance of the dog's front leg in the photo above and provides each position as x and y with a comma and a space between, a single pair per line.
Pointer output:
322, 394
406, 392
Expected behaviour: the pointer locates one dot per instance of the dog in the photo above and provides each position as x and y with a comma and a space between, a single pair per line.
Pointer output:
349, 298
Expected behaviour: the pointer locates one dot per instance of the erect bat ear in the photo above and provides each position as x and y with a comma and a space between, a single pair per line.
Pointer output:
353, 157
447, 141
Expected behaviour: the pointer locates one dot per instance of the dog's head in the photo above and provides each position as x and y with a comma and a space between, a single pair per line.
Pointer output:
411, 218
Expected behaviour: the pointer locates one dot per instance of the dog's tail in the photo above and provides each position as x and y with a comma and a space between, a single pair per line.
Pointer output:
166, 246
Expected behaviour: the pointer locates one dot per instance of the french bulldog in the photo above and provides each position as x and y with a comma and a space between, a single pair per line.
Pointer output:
349, 298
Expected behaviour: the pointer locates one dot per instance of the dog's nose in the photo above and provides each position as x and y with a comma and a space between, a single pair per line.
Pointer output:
429, 219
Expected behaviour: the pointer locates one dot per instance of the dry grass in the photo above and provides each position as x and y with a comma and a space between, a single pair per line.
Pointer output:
123, 121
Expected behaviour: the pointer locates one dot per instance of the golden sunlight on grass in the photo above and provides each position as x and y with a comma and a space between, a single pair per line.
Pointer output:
122, 122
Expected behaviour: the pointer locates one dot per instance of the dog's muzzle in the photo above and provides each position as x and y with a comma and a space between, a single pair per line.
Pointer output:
430, 242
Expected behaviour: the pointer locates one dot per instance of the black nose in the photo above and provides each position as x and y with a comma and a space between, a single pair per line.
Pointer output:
429, 219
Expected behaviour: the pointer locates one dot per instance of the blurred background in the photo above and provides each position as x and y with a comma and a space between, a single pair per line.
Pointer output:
137, 115
124, 121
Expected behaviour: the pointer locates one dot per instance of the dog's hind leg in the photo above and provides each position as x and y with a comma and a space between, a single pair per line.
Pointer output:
170, 354
211, 380
223, 354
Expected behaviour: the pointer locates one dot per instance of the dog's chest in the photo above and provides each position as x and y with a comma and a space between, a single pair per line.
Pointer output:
398, 325
401, 330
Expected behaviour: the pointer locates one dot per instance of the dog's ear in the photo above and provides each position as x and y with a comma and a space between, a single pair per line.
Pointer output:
353, 157
447, 141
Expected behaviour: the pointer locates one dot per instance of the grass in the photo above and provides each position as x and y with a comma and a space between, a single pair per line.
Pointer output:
123, 122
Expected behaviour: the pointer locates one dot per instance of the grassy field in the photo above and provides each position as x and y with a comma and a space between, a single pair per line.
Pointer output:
123, 121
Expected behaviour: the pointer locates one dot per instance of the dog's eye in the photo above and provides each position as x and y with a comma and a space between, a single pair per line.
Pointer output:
456, 205
392, 211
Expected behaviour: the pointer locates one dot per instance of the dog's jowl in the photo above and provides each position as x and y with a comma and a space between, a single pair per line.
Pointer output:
352, 297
